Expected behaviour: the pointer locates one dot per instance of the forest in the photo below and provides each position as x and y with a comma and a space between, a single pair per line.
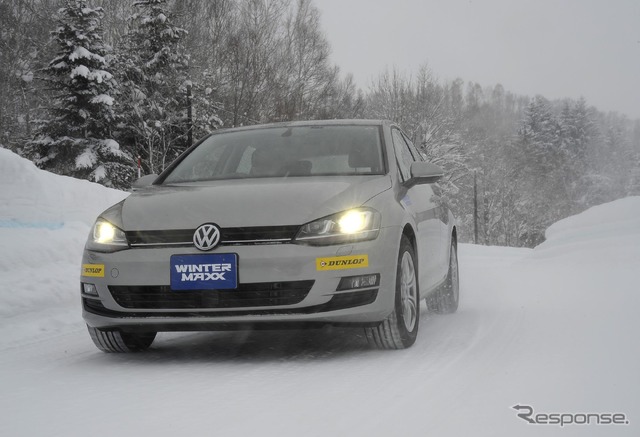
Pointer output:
89, 87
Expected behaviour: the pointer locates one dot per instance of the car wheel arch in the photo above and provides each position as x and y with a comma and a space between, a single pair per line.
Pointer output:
454, 236
453, 241
410, 233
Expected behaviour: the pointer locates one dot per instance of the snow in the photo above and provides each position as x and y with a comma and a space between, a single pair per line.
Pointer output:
80, 70
27, 77
100, 76
554, 327
95, 75
112, 147
103, 98
81, 52
91, 11
595, 226
99, 173
86, 159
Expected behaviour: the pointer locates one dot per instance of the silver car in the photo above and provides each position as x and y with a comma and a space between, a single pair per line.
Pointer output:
293, 224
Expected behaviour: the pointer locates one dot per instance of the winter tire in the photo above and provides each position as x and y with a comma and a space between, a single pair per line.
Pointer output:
117, 341
445, 300
400, 329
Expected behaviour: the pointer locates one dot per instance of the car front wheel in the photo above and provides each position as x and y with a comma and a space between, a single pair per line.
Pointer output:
400, 329
117, 341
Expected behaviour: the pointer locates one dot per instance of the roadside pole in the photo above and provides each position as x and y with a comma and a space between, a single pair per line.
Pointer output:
475, 207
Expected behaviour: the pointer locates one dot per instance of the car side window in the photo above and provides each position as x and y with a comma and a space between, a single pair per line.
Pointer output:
403, 154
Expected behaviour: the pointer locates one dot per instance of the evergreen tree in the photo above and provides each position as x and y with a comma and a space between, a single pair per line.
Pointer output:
577, 133
540, 162
541, 137
633, 186
76, 139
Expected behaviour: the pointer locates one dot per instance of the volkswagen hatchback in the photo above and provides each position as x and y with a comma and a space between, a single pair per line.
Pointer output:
296, 224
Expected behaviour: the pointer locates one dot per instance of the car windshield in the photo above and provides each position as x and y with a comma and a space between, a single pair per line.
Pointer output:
330, 150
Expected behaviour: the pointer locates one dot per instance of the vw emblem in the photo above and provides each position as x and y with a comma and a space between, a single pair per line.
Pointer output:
206, 237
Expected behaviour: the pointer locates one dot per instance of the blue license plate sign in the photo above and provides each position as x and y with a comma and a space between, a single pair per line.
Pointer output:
204, 272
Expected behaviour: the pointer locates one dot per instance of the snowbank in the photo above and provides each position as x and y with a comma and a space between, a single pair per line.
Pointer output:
44, 221
32, 196
606, 232
612, 219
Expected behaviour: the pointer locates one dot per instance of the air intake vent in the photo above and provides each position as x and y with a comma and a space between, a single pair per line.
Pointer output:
230, 236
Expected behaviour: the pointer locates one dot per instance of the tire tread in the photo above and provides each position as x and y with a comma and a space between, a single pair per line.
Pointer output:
116, 342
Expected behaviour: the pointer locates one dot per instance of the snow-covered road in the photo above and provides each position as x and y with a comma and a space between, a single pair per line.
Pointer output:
554, 328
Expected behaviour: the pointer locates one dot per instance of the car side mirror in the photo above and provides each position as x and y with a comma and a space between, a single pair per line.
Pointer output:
144, 181
424, 173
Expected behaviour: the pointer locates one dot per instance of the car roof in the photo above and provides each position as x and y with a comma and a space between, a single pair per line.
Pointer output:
338, 122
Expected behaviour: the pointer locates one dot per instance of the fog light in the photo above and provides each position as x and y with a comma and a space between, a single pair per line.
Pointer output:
363, 281
89, 289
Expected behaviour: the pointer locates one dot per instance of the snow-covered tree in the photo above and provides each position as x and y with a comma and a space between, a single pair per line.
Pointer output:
419, 106
633, 186
578, 131
153, 73
25, 27
305, 77
538, 161
76, 138
344, 99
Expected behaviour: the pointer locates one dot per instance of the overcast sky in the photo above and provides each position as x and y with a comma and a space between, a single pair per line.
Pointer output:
557, 48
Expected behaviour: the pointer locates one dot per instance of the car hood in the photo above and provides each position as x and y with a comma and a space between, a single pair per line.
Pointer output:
247, 202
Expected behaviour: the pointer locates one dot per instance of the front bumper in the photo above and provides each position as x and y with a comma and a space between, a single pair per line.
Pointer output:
142, 268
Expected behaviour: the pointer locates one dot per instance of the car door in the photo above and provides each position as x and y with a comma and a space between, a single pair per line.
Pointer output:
418, 201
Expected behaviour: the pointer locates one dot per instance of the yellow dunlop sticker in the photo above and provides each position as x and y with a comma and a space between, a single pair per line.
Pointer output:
342, 262
93, 270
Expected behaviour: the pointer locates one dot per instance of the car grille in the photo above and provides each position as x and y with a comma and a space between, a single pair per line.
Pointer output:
337, 302
246, 295
229, 236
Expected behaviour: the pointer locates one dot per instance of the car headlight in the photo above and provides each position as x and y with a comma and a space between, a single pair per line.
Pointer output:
106, 237
357, 224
